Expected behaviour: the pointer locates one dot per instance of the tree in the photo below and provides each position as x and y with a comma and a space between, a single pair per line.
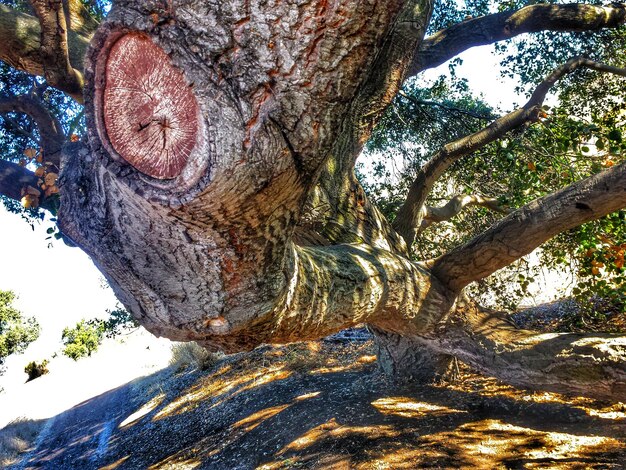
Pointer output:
16, 332
81, 340
215, 187
87, 335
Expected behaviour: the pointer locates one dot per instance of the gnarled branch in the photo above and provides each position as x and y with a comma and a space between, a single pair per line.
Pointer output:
592, 365
528, 227
20, 44
54, 49
448, 43
409, 216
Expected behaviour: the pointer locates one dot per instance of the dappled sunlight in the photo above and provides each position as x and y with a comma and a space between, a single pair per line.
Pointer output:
616, 411
356, 365
484, 442
117, 464
408, 408
611, 345
306, 396
331, 430
206, 389
252, 421
175, 461
143, 411
403, 459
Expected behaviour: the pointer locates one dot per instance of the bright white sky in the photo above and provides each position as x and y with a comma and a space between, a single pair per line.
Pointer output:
60, 285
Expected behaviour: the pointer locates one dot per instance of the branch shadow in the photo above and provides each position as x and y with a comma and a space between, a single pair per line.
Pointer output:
261, 411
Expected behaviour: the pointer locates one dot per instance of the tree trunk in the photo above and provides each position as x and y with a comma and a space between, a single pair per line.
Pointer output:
209, 126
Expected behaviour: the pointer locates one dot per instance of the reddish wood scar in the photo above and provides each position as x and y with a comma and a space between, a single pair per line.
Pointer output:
150, 112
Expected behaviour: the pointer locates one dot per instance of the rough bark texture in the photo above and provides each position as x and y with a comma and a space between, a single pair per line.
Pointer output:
222, 268
591, 365
216, 192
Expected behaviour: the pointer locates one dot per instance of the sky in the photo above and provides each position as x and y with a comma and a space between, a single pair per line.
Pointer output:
60, 285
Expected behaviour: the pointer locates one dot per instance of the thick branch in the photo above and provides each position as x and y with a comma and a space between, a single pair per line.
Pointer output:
527, 228
409, 215
592, 365
54, 49
50, 130
20, 43
338, 210
448, 43
433, 215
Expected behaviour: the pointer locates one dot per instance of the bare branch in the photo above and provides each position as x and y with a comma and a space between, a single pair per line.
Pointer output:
20, 43
54, 50
530, 226
409, 216
433, 215
50, 130
448, 43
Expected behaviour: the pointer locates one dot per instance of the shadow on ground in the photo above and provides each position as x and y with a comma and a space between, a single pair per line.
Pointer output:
319, 405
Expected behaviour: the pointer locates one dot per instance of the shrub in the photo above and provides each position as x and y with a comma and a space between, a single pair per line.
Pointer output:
82, 340
16, 332
191, 353
35, 370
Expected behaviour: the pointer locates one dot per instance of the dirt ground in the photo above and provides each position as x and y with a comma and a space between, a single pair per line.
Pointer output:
324, 405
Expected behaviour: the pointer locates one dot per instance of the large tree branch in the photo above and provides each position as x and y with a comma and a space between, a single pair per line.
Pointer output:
448, 43
409, 215
54, 48
20, 44
528, 227
592, 365
50, 130
432, 215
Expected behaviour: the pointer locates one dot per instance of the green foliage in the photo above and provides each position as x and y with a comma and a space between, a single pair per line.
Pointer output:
119, 322
35, 370
583, 135
87, 335
81, 340
16, 332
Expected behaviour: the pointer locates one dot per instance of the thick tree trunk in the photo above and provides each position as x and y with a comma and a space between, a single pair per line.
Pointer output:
202, 155
210, 125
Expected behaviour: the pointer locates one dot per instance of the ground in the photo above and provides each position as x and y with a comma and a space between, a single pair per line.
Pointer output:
325, 405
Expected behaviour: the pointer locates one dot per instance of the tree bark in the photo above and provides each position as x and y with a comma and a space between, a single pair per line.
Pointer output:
213, 128
591, 365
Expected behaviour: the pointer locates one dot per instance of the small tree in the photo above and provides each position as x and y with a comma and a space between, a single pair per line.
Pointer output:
16, 332
82, 340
